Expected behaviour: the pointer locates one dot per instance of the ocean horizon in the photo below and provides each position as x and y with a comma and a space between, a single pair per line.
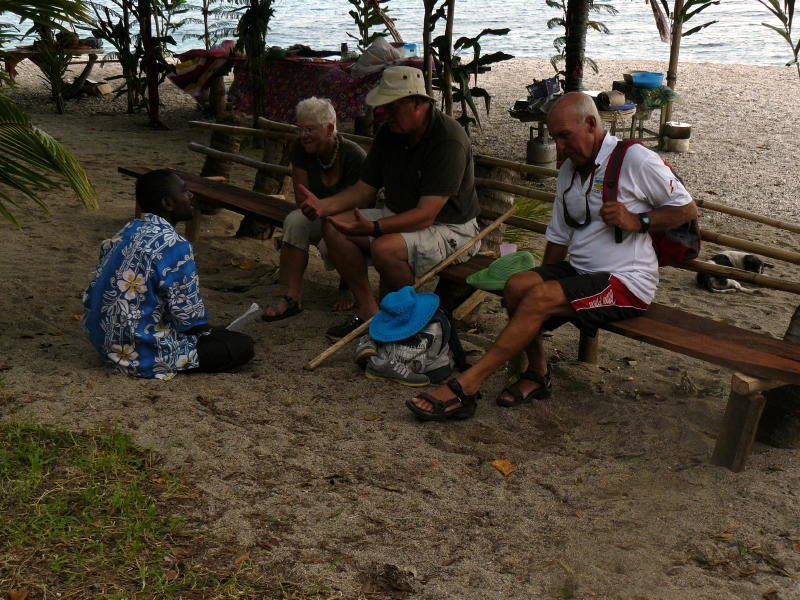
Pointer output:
738, 36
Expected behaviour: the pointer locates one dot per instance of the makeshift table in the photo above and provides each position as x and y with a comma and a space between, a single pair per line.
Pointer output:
286, 81
14, 57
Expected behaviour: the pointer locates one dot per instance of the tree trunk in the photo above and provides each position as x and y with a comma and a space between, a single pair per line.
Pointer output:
780, 421
426, 44
574, 51
447, 76
151, 69
276, 153
495, 201
217, 97
215, 167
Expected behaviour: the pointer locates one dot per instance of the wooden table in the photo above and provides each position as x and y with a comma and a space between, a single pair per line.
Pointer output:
14, 57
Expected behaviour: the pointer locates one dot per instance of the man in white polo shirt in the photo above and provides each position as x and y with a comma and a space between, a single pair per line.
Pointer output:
586, 276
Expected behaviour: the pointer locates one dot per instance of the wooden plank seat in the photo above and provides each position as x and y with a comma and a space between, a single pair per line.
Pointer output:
759, 362
273, 209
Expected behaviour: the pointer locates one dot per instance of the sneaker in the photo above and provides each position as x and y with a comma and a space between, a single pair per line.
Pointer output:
366, 349
342, 329
391, 370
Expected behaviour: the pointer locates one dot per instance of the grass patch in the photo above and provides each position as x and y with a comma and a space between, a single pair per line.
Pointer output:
91, 516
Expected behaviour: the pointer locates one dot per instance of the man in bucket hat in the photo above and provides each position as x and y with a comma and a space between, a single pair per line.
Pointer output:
586, 276
422, 159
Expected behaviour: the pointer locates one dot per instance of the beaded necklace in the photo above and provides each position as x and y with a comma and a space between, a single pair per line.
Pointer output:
328, 165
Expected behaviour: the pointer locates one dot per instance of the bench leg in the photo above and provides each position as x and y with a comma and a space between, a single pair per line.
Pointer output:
137, 212
193, 226
738, 430
587, 348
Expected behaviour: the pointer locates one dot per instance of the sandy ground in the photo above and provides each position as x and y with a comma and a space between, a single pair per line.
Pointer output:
326, 479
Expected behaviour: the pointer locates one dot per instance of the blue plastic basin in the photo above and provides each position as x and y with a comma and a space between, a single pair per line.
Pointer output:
644, 79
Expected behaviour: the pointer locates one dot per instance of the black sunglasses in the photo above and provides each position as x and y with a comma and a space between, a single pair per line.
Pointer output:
567, 217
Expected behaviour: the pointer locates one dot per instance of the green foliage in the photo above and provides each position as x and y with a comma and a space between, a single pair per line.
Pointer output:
53, 61
27, 156
692, 8
784, 12
558, 60
219, 21
366, 15
529, 209
465, 74
252, 32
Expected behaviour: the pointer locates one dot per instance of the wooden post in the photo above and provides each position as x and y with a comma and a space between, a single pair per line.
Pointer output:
587, 348
738, 430
215, 166
493, 201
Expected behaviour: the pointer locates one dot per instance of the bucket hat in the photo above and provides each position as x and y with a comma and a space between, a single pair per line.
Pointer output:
397, 82
402, 314
494, 277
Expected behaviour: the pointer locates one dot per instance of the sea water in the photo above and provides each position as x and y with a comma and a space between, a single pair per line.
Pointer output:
737, 37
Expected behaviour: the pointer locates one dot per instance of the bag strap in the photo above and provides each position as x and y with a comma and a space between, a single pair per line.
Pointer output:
611, 177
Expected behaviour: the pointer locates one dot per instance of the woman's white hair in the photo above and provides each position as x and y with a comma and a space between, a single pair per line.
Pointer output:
319, 110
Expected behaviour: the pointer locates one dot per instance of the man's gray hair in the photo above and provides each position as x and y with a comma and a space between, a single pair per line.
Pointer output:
584, 106
319, 110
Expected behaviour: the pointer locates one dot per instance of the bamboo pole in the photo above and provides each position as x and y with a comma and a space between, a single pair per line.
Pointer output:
732, 242
736, 212
238, 158
517, 166
700, 266
313, 364
231, 129
520, 190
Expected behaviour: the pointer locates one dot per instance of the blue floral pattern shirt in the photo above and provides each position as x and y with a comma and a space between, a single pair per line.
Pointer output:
144, 294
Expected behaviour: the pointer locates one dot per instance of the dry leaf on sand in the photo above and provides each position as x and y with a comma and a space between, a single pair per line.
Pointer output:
506, 467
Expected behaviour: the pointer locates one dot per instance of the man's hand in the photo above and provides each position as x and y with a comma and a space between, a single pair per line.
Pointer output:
311, 206
358, 225
614, 214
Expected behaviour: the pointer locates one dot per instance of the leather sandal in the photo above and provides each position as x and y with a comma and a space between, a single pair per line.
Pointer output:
293, 308
544, 391
439, 408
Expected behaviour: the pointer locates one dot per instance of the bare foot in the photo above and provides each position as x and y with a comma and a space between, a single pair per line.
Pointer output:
343, 304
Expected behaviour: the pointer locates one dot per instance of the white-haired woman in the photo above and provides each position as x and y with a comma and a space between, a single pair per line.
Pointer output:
325, 163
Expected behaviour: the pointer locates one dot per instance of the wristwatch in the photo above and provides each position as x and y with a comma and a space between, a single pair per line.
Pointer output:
644, 219
376, 229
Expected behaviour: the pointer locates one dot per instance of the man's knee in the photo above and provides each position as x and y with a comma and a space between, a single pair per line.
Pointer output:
518, 286
387, 250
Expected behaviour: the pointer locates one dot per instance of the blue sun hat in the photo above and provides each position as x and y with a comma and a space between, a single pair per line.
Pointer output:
403, 313
494, 277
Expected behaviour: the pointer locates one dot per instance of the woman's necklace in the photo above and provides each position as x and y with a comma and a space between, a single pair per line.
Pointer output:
327, 165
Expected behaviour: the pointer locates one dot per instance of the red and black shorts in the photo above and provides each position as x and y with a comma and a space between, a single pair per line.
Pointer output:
598, 298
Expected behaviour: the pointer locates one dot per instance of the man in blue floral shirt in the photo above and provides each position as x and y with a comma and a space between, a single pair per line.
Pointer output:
143, 310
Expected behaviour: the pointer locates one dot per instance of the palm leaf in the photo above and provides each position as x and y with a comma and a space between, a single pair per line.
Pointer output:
28, 156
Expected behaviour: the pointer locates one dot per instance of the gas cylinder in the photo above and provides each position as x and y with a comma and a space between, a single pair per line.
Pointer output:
541, 151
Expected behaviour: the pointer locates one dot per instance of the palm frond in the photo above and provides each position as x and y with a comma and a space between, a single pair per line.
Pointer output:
28, 159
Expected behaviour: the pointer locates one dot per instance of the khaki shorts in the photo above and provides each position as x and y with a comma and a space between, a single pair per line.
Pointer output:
300, 232
430, 246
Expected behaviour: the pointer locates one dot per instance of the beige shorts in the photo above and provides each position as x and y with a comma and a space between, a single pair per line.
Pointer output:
430, 246
300, 232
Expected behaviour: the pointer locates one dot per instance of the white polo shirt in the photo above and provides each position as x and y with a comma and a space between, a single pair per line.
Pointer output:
645, 183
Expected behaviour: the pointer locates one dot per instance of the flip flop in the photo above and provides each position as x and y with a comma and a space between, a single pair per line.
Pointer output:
292, 308
439, 408
546, 388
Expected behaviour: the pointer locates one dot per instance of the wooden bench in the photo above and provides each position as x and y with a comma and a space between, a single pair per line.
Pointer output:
273, 209
759, 362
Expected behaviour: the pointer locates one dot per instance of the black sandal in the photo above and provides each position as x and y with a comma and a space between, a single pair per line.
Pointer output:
439, 408
540, 393
292, 308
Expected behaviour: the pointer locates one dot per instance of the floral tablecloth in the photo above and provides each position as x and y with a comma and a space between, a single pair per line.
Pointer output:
286, 81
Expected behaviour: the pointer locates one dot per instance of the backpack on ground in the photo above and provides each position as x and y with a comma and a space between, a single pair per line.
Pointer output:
672, 246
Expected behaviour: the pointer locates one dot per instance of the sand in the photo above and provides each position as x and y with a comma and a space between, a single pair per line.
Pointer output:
323, 478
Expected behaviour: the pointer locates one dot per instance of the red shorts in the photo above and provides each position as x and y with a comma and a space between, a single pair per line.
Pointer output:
598, 298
